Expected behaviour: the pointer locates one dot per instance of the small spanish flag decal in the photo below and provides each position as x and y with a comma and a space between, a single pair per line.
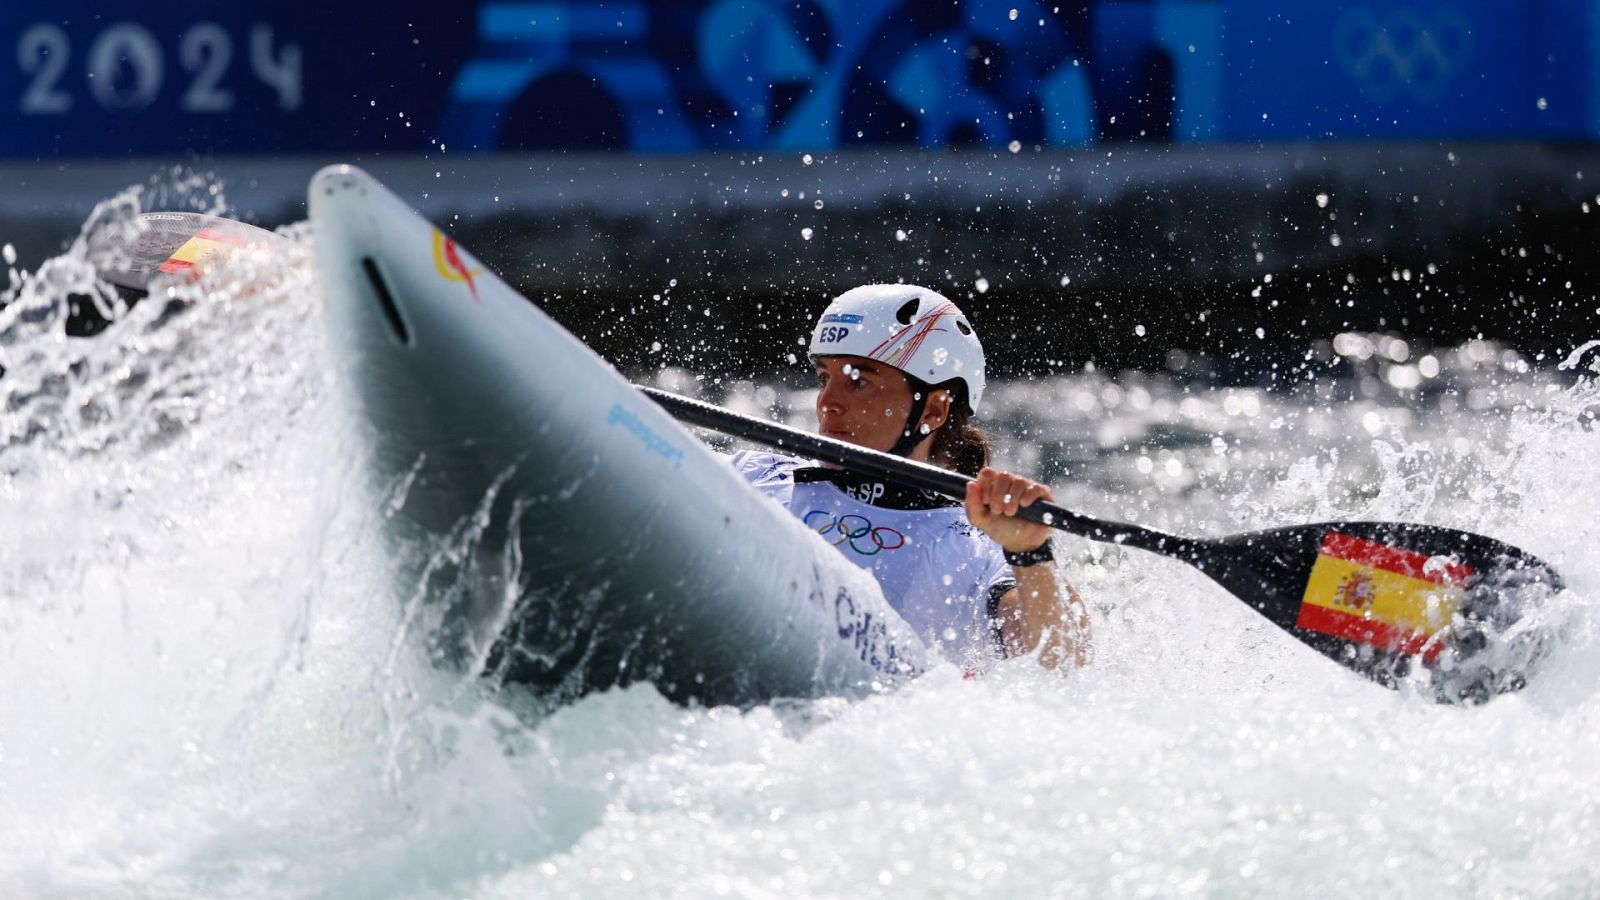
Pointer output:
197, 248
1372, 593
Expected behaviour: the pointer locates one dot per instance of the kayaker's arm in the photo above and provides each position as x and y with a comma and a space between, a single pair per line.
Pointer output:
1044, 608
1043, 612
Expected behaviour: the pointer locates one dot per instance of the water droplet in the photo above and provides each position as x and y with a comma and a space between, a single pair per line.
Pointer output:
1014, 146
806, 159
899, 234
805, 233
818, 204
10, 254
982, 284
1013, 15
1543, 103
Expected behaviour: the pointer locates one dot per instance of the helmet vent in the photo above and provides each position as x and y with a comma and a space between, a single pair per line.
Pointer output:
908, 310
965, 328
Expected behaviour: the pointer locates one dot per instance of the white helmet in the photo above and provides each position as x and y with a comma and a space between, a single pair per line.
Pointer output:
911, 328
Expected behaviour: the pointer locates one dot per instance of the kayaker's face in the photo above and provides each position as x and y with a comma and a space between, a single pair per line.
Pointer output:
861, 401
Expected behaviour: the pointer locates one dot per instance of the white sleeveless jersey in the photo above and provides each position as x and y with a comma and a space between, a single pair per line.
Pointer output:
937, 570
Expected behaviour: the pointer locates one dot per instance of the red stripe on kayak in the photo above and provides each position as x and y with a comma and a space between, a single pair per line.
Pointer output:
1394, 559
1363, 630
175, 265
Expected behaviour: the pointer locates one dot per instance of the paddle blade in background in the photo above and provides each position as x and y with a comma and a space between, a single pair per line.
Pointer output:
131, 254
1381, 598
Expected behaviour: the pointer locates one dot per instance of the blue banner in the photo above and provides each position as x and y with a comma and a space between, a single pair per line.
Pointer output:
171, 77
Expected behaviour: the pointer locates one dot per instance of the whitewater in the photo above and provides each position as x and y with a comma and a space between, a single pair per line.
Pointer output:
208, 687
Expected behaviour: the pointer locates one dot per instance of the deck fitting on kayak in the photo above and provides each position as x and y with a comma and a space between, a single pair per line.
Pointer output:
391, 312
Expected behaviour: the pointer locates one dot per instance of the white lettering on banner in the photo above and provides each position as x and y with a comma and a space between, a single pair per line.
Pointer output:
126, 68
206, 51
42, 52
281, 73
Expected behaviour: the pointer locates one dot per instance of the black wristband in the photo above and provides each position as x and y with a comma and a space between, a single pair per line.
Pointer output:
1039, 554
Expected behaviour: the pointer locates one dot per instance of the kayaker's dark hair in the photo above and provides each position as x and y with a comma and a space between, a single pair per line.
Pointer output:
957, 444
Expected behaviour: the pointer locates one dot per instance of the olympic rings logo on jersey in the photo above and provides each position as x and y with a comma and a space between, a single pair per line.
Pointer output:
857, 531
1402, 51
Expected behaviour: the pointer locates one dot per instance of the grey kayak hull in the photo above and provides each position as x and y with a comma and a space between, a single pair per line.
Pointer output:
551, 525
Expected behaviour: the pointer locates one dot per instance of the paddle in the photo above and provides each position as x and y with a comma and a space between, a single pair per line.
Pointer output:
131, 254
1373, 596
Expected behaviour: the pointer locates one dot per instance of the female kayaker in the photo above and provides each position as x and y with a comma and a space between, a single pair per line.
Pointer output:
900, 369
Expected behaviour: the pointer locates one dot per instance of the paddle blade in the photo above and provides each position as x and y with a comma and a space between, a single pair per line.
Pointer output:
1381, 598
131, 254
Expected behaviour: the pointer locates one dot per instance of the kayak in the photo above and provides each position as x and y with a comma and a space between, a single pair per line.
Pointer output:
552, 526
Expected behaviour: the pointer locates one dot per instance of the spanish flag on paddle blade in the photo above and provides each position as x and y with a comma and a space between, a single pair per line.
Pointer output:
196, 248
1375, 594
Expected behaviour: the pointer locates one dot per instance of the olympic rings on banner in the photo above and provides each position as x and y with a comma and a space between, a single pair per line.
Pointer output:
857, 531
1401, 51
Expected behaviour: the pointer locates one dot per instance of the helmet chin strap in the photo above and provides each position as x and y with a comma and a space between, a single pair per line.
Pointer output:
911, 435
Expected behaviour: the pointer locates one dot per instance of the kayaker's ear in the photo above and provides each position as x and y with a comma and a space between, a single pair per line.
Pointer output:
937, 412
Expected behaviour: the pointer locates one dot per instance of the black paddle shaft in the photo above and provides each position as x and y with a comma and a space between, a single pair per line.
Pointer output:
914, 474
